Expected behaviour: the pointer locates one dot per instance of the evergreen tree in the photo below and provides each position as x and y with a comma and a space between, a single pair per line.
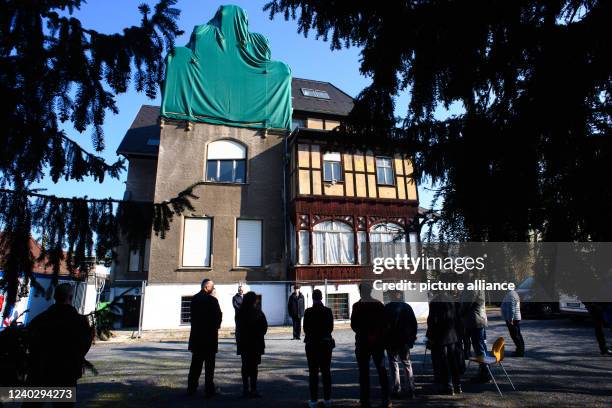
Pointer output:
531, 153
52, 70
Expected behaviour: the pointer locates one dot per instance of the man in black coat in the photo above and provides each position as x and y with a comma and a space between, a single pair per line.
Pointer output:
295, 309
444, 342
368, 323
401, 332
318, 327
60, 338
203, 339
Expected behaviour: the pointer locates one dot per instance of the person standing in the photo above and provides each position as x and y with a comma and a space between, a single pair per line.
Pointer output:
236, 303
204, 338
318, 327
60, 338
295, 309
511, 312
368, 323
401, 331
252, 326
600, 313
444, 342
474, 315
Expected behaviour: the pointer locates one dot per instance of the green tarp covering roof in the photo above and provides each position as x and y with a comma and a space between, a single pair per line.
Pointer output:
225, 76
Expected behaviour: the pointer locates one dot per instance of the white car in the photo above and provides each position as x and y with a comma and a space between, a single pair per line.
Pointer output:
572, 306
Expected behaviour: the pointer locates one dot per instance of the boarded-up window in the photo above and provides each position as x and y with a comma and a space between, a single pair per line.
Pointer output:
248, 243
196, 242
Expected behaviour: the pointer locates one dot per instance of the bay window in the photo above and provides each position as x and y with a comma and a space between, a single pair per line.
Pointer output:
332, 243
384, 171
332, 168
387, 240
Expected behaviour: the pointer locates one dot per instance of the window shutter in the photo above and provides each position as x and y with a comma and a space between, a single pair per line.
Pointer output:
248, 243
196, 242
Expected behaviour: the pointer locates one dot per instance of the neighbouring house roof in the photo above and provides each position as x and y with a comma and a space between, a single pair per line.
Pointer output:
142, 138
338, 104
39, 266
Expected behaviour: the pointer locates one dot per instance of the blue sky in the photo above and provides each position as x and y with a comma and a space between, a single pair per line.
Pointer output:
307, 57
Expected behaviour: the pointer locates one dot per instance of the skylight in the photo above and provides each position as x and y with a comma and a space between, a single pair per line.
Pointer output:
315, 93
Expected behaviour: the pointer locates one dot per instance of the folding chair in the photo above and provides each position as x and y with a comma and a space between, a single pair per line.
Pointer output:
497, 358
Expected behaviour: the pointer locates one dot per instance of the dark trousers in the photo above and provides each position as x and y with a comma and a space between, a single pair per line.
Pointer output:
195, 370
447, 359
597, 315
517, 337
250, 361
319, 360
363, 362
297, 327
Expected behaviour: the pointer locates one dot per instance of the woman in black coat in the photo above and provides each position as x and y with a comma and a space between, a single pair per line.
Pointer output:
252, 325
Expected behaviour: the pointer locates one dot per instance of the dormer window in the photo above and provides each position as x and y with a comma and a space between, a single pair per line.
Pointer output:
226, 162
332, 167
315, 93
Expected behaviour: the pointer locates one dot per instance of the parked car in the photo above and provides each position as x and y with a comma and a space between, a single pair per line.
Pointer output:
530, 307
572, 306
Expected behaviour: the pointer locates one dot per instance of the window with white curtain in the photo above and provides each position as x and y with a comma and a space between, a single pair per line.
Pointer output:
248, 242
384, 171
304, 247
332, 169
196, 242
226, 162
332, 243
387, 240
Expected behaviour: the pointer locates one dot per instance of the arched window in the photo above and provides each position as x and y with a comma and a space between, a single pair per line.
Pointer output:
226, 162
387, 240
332, 243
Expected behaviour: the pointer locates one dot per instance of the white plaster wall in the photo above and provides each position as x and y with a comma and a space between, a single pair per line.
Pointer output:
162, 303
421, 309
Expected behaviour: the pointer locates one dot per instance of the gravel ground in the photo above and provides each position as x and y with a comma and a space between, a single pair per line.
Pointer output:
562, 367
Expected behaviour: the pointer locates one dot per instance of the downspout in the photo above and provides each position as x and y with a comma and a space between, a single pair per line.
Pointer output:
285, 238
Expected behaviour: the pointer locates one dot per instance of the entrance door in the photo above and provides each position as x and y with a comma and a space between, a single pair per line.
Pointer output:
131, 311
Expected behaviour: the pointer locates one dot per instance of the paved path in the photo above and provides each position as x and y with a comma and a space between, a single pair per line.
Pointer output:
562, 368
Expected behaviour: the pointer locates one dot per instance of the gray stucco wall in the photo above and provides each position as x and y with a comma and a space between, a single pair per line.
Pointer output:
139, 186
181, 163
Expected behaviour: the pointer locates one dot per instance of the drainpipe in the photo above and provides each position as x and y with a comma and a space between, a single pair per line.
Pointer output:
285, 234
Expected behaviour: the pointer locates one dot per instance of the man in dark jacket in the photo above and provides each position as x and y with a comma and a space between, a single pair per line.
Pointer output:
253, 326
443, 340
237, 301
401, 330
368, 323
318, 327
295, 309
60, 338
203, 339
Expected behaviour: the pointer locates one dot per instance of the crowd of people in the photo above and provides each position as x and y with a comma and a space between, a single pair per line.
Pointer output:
456, 330
456, 324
